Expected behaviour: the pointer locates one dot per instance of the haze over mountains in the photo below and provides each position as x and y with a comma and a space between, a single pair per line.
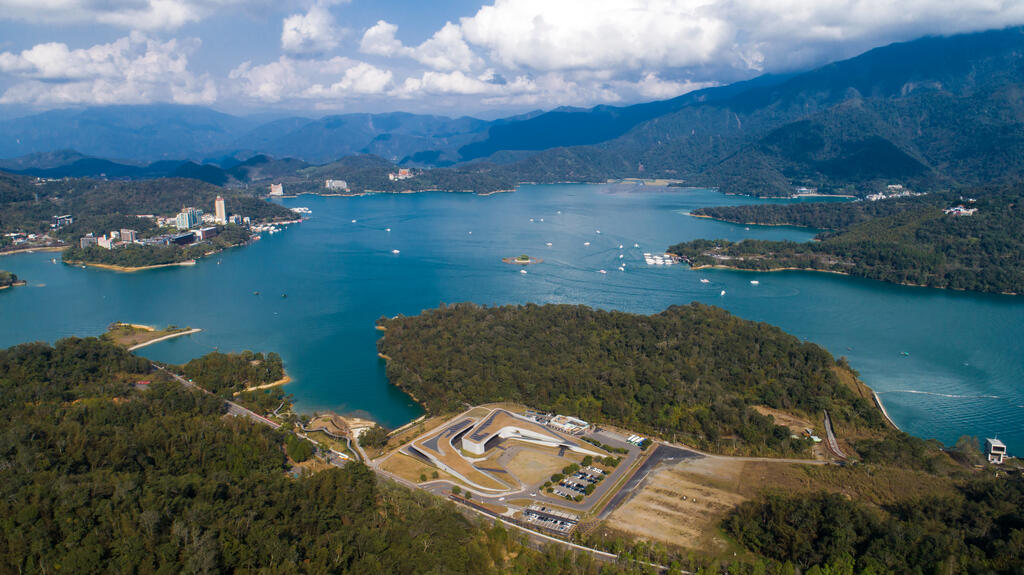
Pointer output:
937, 111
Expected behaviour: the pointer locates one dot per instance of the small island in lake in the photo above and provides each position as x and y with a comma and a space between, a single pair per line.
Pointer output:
523, 260
8, 279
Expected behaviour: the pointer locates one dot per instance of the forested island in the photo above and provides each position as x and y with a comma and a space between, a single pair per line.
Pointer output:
8, 279
691, 373
138, 256
915, 241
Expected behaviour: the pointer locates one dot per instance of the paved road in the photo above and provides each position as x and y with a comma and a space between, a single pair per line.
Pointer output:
833, 445
830, 436
233, 408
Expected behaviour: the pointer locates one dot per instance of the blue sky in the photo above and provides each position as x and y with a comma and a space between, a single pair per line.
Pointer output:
316, 57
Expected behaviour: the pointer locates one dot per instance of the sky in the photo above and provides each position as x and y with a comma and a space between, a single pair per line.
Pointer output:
458, 57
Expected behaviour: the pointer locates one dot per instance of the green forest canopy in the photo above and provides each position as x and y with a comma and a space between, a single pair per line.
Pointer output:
96, 476
901, 241
691, 372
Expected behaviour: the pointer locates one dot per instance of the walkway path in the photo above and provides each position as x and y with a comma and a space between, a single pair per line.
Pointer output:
159, 339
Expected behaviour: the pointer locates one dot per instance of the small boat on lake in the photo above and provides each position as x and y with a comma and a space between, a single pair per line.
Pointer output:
754, 282
705, 281
396, 252
548, 244
723, 292
255, 293
586, 243
522, 272
601, 272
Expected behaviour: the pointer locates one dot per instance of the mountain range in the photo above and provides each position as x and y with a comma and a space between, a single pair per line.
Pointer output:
933, 112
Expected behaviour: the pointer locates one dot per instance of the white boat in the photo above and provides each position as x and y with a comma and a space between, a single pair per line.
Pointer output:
531, 219
622, 269
470, 233
748, 229
548, 244
620, 246
542, 219
353, 221
621, 256
723, 292
597, 231
705, 281
754, 282
559, 211
601, 272
396, 252
387, 229
522, 272
586, 243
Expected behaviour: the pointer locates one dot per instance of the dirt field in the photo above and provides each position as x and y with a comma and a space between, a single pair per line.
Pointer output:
683, 505
533, 466
408, 468
794, 423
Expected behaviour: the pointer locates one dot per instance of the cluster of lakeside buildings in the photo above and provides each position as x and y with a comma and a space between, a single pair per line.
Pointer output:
192, 225
893, 191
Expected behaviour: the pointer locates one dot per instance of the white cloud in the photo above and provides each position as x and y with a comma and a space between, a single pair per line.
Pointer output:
133, 14
380, 40
291, 79
133, 69
309, 33
747, 34
445, 50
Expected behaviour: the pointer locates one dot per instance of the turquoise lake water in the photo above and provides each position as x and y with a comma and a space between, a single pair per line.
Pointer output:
963, 374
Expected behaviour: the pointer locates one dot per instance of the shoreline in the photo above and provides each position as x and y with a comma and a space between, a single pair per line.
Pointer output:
31, 250
789, 269
125, 269
881, 406
164, 338
703, 217
283, 381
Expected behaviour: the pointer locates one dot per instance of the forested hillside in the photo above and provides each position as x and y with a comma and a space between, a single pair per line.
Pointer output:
929, 113
910, 241
100, 206
97, 477
978, 529
691, 373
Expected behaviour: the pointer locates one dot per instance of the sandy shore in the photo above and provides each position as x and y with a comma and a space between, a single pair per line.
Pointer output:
30, 250
283, 381
702, 216
166, 337
127, 269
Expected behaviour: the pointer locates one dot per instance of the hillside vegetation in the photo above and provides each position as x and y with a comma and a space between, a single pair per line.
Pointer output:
101, 206
901, 241
99, 477
691, 373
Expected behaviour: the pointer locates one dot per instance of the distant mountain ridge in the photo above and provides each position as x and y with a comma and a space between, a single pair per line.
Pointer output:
933, 112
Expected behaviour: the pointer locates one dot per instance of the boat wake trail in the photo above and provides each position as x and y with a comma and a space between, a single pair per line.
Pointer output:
952, 396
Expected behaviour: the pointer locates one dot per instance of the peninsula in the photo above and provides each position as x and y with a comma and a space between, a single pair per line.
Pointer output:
675, 375
943, 240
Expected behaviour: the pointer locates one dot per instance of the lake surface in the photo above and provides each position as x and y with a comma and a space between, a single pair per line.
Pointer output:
962, 376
